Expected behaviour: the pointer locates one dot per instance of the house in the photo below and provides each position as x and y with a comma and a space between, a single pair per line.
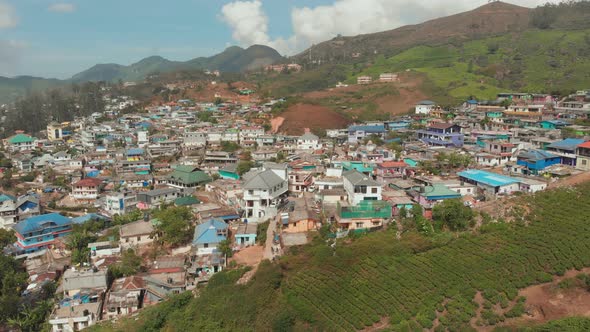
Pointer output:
425, 107
186, 201
125, 297
20, 142
490, 183
366, 215
157, 197
165, 277
566, 149
303, 215
357, 133
246, 235
13, 209
93, 282
120, 203
208, 235
229, 172
583, 156
185, 176
87, 189
360, 187
308, 141
442, 134
553, 124
55, 131
138, 233
391, 169
428, 196
364, 80
41, 232
388, 77
76, 318
534, 162
263, 192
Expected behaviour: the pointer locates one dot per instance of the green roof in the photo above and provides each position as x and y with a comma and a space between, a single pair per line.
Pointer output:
20, 138
189, 175
186, 200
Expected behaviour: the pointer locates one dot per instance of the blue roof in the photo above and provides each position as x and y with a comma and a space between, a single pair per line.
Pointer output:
472, 102
566, 144
37, 223
6, 197
87, 217
207, 232
536, 155
491, 179
134, 152
368, 129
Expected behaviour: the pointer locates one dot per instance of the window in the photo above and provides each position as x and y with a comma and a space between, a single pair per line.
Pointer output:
139, 238
584, 162
359, 225
373, 190
206, 245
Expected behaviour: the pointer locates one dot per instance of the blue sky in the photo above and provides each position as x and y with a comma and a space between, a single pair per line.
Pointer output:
60, 38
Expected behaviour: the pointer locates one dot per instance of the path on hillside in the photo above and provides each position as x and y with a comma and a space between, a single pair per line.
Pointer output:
270, 234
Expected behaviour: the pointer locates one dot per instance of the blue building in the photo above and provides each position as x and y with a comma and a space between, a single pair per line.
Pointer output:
536, 161
208, 235
442, 134
397, 125
490, 182
41, 232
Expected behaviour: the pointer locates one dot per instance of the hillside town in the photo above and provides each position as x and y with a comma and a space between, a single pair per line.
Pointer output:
124, 209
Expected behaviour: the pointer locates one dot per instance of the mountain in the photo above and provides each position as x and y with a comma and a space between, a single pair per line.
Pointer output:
233, 59
495, 18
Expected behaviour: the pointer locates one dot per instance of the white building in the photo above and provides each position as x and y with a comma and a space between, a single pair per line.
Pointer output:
120, 203
308, 141
425, 107
264, 191
360, 187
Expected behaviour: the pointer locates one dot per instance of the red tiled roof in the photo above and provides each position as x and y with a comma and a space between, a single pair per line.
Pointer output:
88, 182
585, 145
441, 125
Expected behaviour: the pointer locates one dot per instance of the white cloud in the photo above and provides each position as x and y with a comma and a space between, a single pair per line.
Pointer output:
8, 17
249, 22
62, 8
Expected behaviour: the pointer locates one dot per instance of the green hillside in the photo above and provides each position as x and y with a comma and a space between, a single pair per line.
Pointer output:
548, 61
407, 283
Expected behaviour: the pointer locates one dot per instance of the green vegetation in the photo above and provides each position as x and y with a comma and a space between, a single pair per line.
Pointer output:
534, 61
6, 237
354, 285
207, 116
261, 232
229, 146
453, 214
244, 166
566, 324
175, 225
130, 265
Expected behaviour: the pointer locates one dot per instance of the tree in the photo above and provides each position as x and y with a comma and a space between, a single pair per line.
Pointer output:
130, 264
225, 248
244, 166
453, 214
175, 225
6, 237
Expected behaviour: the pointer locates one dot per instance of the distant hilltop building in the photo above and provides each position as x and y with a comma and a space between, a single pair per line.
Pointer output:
128, 84
281, 67
364, 80
388, 77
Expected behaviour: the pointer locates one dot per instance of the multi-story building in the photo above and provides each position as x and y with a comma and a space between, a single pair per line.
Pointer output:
20, 142
87, 189
442, 134
41, 232
120, 202
263, 192
308, 141
360, 187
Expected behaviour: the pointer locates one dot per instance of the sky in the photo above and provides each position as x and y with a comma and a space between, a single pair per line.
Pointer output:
49, 38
